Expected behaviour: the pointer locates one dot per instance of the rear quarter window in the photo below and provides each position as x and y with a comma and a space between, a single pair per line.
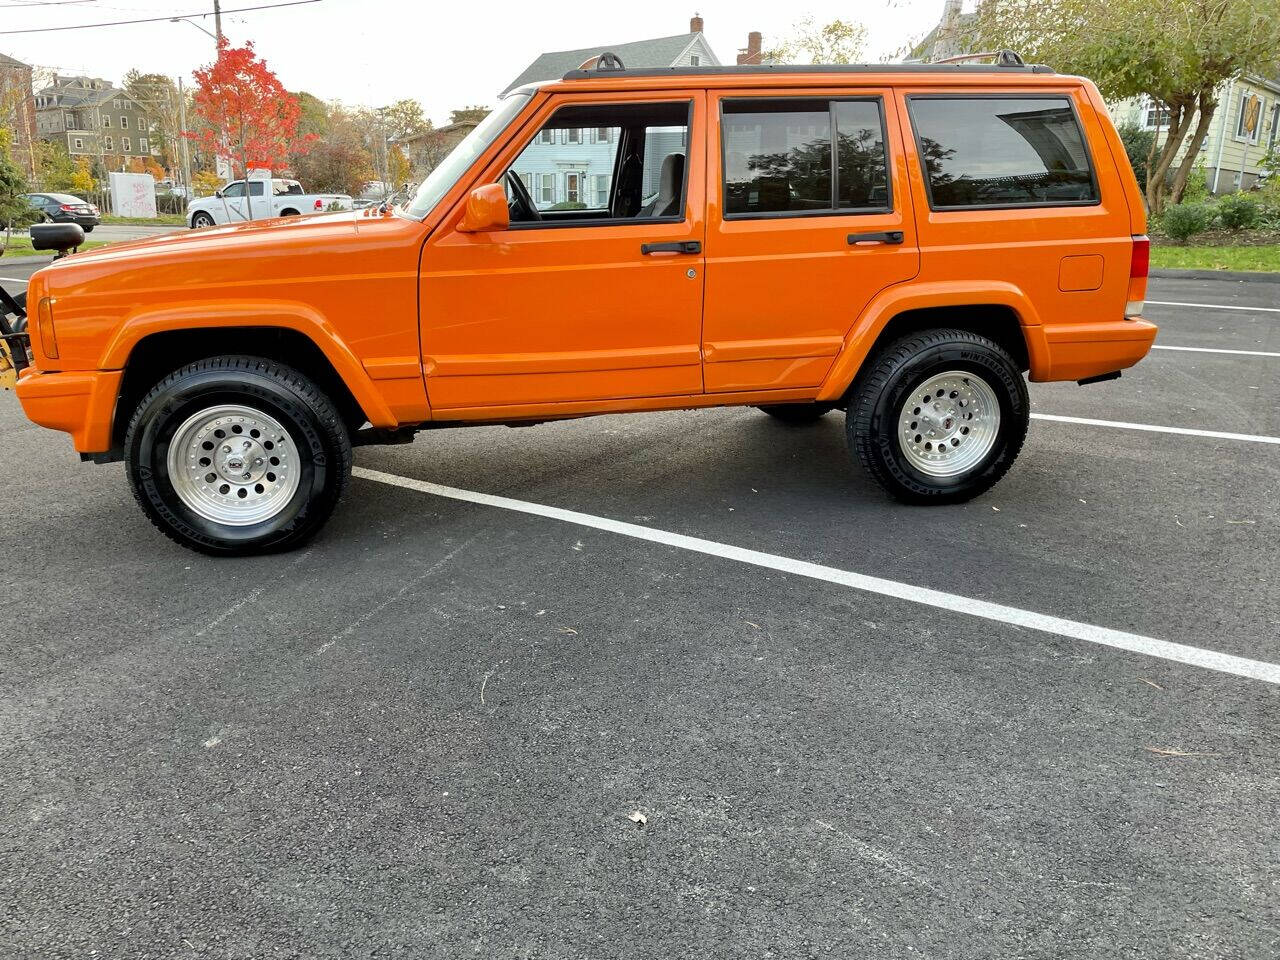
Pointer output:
1012, 151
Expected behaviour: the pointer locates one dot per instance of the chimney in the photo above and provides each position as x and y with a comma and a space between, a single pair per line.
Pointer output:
695, 25
751, 55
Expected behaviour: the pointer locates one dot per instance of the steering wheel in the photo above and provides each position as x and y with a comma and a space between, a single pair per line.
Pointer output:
520, 203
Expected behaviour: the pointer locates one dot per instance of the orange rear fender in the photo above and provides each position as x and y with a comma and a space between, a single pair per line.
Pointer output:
916, 295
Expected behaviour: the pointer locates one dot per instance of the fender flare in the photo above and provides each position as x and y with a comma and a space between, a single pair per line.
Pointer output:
900, 298
282, 314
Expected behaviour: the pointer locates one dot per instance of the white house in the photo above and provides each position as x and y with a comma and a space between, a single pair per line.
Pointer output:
575, 166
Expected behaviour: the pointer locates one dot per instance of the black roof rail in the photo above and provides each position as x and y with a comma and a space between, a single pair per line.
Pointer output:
608, 65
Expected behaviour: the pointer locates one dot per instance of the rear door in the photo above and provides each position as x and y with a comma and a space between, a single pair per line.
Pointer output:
809, 218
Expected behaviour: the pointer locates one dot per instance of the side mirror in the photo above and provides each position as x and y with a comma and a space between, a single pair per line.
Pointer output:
218, 193
486, 210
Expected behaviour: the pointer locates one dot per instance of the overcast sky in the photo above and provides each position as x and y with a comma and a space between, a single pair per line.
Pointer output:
446, 55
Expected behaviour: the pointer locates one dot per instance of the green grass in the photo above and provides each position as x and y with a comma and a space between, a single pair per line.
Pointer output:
21, 247
1262, 258
163, 219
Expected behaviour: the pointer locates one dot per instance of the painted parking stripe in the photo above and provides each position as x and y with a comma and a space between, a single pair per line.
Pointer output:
1242, 353
1155, 428
1213, 306
1014, 616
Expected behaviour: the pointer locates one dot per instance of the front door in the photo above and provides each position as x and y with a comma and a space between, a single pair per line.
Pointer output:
809, 218
594, 293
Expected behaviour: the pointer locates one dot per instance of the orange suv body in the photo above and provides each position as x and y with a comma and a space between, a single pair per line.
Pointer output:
631, 241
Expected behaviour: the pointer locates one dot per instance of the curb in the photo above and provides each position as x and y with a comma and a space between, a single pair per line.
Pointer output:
1171, 274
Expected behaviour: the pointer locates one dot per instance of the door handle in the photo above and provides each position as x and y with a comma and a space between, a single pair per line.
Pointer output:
680, 246
888, 236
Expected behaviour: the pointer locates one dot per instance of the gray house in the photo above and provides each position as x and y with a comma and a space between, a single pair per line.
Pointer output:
574, 167
92, 118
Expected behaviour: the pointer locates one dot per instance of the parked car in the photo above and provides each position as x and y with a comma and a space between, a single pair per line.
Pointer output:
903, 243
64, 208
243, 200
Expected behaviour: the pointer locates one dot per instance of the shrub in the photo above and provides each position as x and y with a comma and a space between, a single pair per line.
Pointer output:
1185, 220
1197, 188
1137, 145
1238, 211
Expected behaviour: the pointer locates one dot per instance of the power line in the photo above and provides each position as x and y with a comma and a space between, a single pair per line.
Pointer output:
175, 16
47, 3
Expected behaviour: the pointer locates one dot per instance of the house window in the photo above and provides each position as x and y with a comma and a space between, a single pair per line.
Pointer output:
573, 188
1002, 151
142, 144
71, 121
106, 121
79, 143
116, 103
124, 123
547, 136
125, 146
1156, 116
547, 189
528, 182
602, 190
694, 60
1249, 120
109, 143
1275, 126
602, 134
573, 135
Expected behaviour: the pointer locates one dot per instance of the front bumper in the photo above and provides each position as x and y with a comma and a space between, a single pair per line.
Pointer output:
81, 403
1077, 351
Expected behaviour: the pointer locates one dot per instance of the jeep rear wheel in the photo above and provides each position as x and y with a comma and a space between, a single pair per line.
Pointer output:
237, 455
939, 416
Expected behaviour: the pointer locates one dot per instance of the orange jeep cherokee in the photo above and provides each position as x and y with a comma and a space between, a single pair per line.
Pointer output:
901, 242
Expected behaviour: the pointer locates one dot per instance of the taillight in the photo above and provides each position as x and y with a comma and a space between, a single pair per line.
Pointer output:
44, 321
319, 204
1139, 267
66, 206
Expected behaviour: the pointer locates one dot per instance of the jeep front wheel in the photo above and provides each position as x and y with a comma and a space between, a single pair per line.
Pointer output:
237, 455
939, 416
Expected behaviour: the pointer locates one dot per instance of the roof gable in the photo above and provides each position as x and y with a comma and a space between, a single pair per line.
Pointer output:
658, 52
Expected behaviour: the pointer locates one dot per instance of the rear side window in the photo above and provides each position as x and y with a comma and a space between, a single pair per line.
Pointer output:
792, 157
1002, 152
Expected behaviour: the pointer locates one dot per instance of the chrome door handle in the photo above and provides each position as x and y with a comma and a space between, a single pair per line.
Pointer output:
888, 236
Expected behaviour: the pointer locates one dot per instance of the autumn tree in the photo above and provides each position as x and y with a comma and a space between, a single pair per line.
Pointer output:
1178, 56
836, 42
247, 115
338, 160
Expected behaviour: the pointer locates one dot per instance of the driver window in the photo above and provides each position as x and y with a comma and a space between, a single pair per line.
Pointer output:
592, 164
234, 189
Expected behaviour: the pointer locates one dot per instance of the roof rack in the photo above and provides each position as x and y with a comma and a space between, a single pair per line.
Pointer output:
609, 64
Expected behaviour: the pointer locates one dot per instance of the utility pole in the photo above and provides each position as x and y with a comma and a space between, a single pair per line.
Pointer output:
217, 21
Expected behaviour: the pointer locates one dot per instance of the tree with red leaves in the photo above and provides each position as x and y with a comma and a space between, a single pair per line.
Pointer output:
246, 114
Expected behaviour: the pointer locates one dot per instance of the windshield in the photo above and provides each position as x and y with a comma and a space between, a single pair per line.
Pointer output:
463, 155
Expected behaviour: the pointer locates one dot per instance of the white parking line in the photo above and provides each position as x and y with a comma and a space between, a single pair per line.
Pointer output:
1213, 306
1243, 353
1014, 616
1154, 428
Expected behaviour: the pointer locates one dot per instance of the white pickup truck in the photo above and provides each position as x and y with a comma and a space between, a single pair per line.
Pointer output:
231, 204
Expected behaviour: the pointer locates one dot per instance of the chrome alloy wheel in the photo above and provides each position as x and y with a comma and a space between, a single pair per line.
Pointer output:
949, 423
233, 465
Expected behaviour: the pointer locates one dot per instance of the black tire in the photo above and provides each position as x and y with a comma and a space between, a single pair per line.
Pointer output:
88, 229
290, 213
797, 414
889, 379
280, 392
201, 219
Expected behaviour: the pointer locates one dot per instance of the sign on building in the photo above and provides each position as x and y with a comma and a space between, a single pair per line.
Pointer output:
132, 194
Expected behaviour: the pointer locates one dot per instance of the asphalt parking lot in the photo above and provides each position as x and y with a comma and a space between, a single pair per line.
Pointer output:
430, 733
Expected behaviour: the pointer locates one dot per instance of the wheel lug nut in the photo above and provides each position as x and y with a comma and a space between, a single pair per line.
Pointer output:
226, 449
258, 462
